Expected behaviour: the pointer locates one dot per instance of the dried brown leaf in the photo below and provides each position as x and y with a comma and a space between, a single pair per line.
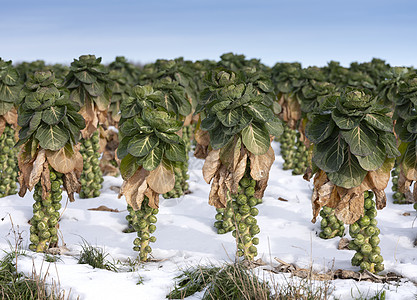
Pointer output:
239, 171
351, 205
45, 181
202, 137
130, 187
211, 165
261, 187
380, 198
137, 197
91, 120
260, 165
71, 184
37, 169
214, 198
201, 151
161, 179
104, 208
153, 198
62, 160
11, 117
404, 187
2, 125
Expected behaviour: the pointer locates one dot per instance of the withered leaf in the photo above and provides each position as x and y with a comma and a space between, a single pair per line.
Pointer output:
211, 165
104, 208
239, 171
45, 180
130, 187
62, 160
380, 198
2, 125
161, 179
153, 198
11, 117
37, 169
202, 137
214, 198
71, 184
260, 165
350, 208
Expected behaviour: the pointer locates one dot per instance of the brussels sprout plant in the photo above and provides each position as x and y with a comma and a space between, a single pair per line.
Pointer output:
150, 150
239, 125
87, 82
9, 94
48, 159
354, 151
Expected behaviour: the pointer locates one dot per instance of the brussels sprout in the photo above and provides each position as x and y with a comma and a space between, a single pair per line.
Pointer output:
379, 267
359, 240
255, 241
254, 211
250, 191
152, 239
374, 240
34, 238
241, 199
245, 182
364, 221
152, 219
219, 217
252, 201
366, 248
244, 209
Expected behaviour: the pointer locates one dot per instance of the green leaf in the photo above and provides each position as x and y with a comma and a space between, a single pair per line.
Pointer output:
361, 139
52, 137
122, 148
11, 77
229, 118
176, 152
350, 173
141, 145
260, 112
219, 106
5, 107
129, 128
130, 108
345, 121
275, 127
95, 89
168, 137
219, 137
209, 123
255, 137
319, 128
329, 154
380, 122
153, 159
35, 121
374, 160
128, 166
53, 115
85, 77
409, 160
412, 125
265, 86
390, 143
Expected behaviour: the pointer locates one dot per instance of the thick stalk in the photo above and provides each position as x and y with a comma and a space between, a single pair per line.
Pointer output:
244, 216
44, 223
91, 177
365, 233
143, 222
8, 162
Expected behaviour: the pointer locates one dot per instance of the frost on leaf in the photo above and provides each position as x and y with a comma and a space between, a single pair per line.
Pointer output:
161, 179
211, 165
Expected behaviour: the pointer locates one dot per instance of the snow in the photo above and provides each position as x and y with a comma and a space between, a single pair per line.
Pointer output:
186, 237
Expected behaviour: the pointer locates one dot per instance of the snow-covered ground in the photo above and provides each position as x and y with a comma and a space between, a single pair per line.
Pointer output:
186, 237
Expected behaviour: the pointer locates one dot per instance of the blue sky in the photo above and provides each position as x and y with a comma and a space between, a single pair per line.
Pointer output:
311, 32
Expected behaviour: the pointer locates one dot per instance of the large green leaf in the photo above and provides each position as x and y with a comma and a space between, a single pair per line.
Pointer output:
5, 107
129, 128
219, 137
153, 159
255, 137
412, 124
122, 148
11, 77
34, 123
141, 145
345, 121
176, 152
161, 120
52, 137
380, 122
374, 160
130, 108
409, 160
260, 112
209, 123
95, 89
220, 105
229, 117
319, 128
85, 77
275, 127
168, 137
350, 173
128, 166
53, 115
390, 143
362, 140
329, 155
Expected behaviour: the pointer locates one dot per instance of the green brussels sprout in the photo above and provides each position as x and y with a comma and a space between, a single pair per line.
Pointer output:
32, 247
221, 231
332, 219
327, 210
253, 249
366, 248
245, 182
370, 230
327, 231
218, 224
246, 239
374, 240
353, 246
250, 191
242, 227
55, 186
359, 240
255, 229
254, 211
96, 193
37, 206
255, 241
364, 221
152, 239
244, 209
219, 217
152, 219
250, 220
252, 201
379, 267
145, 236
45, 235
34, 238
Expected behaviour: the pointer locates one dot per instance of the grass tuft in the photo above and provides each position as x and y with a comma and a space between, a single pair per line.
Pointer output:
95, 257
